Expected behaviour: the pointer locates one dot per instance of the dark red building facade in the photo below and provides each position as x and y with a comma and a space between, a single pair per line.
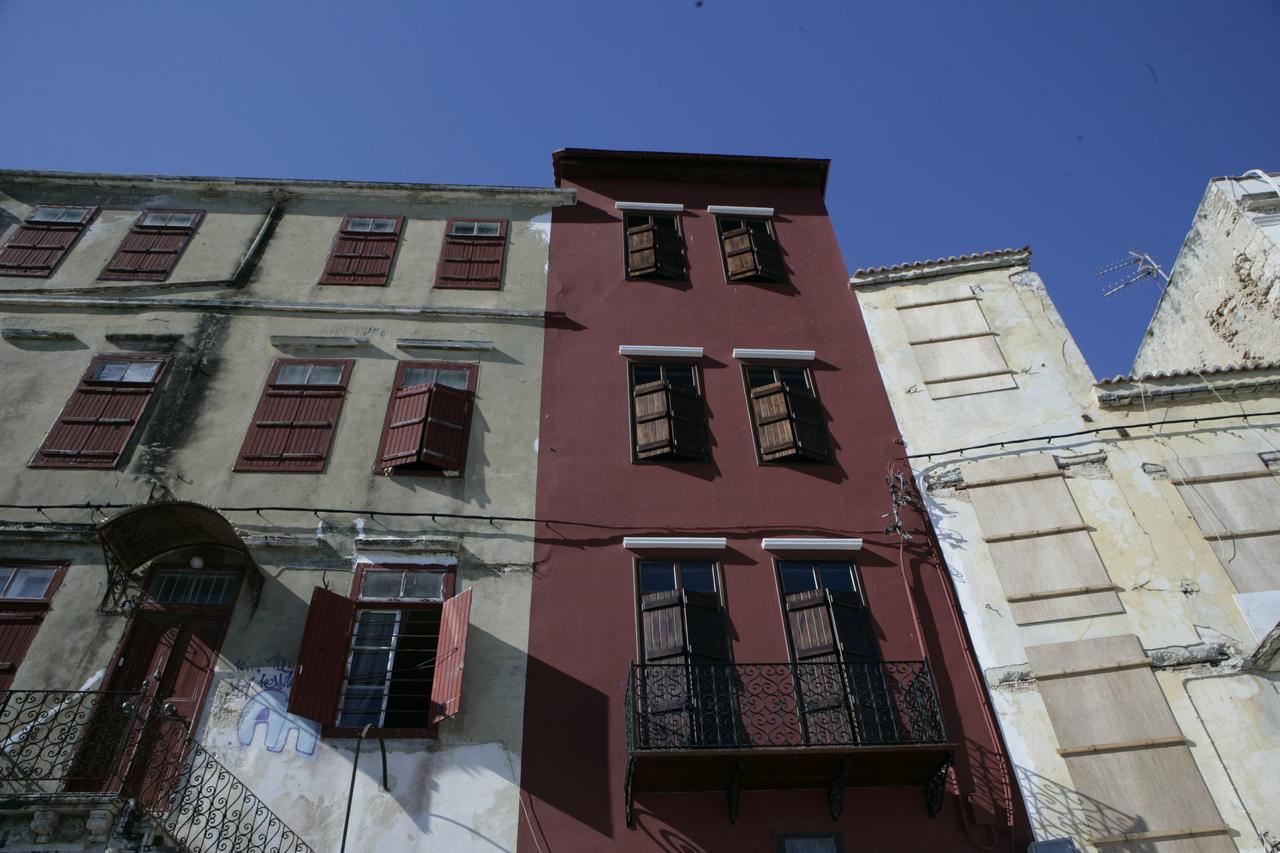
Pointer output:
728, 652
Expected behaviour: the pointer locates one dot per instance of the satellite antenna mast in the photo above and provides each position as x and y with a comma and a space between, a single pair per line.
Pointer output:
1139, 266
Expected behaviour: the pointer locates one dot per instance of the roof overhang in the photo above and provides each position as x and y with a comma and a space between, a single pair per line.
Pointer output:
575, 164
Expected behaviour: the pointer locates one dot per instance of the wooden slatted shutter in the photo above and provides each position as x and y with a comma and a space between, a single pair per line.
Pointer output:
95, 426
428, 424
809, 620
954, 347
662, 620
17, 630
451, 652
655, 248
472, 261
670, 420
149, 252
704, 624
362, 257
293, 426
824, 701
444, 435
39, 245
402, 436
789, 423
322, 657
853, 628
752, 254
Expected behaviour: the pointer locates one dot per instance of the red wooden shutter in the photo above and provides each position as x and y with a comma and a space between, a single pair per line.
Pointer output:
322, 657
17, 630
473, 262
444, 436
363, 257
451, 653
37, 248
149, 253
95, 425
293, 426
402, 436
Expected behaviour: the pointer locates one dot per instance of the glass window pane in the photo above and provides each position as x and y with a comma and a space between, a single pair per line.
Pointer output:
418, 376
5, 576
361, 706
58, 214
463, 229
837, 577
452, 378
698, 577
141, 371
794, 377
635, 220
111, 371
487, 229
325, 374
809, 845
729, 225
657, 577
424, 585
680, 375
758, 226
30, 583
292, 374
381, 583
382, 226
375, 629
665, 223
181, 220
797, 577
758, 376
644, 373
361, 224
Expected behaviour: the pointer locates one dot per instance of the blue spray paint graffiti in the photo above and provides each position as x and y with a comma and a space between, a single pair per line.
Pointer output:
266, 685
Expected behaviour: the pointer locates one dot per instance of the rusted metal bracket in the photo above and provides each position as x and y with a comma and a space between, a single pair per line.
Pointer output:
735, 790
935, 787
835, 792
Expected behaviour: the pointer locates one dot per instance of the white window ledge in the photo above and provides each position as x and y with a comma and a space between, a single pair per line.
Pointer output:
698, 543
730, 210
775, 354
660, 352
797, 543
645, 205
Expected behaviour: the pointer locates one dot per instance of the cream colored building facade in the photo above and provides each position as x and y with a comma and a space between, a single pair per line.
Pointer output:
243, 299
1115, 547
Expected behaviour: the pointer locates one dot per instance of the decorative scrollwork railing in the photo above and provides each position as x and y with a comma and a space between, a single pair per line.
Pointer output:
55, 743
742, 706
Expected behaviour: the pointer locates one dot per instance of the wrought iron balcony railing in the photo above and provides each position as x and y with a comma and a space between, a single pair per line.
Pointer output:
746, 706
67, 743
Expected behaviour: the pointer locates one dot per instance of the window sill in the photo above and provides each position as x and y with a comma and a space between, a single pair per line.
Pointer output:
494, 286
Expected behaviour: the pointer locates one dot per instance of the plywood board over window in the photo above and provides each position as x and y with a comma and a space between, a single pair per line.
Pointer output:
955, 348
1047, 563
1124, 749
1235, 500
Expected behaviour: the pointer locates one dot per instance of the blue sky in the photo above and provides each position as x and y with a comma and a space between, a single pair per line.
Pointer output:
1082, 128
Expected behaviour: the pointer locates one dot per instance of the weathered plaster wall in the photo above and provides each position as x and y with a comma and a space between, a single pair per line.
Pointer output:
1222, 304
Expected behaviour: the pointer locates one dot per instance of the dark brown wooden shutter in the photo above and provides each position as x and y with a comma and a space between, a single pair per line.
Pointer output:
704, 624
96, 424
37, 248
853, 627
293, 426
752, 254
362, 258
669, 421
446, 688
809, 621
654, 250
472, 262
322, 657
789, 423
150, 253
444, 436
662, 621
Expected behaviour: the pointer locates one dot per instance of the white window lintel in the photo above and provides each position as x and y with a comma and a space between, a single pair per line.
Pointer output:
654, 206
699, 543
731, 210
659, 351
744, 353
802, 543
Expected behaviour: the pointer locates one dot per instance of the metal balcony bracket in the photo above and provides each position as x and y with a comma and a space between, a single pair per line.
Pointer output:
735, 790
835, 792
628, 793
935, 787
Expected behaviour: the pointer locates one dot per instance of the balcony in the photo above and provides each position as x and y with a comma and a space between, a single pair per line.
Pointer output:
730, 727
119, 759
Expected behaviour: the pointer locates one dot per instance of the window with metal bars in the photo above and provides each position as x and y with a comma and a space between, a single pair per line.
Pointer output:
473, 254
187, 587
751, 251
43, 240
789, 422
363, 250
151, 249
668, 417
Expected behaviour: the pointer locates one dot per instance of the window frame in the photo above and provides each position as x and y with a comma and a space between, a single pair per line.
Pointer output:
403, 367
448, 590
31, 223
717, 573
784, 276
187, 231
45, 601
147, 602
333, 279
247, 466
780, 839
502, 238
700, 391
755, 427
677, 216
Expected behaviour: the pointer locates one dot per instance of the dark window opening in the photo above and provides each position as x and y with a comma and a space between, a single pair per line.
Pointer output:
751, 251
788, 420
809, 844
654, 246
668, 416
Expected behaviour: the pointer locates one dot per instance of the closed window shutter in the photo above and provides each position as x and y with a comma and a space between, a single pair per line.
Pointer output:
322, 657
669, 421
37, 248
444, 435
150, 253
473, 262
17, 630
446, 688
954, 347
95, 425
293, 426
752, 254
789, 423
655, 249
362, 258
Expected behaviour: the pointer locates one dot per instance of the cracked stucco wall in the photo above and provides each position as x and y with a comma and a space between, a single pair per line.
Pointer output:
1222, 305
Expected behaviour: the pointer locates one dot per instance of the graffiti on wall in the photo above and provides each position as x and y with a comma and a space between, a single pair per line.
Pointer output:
265, 686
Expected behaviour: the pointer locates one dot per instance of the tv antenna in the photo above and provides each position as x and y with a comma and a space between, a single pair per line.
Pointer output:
1139, 266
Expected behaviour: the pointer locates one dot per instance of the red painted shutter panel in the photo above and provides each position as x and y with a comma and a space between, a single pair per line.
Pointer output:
451, 653
95, 426
293, 427
444, 436
17, 630
362, 258
471, 261
37, 248
322, 657
406, 416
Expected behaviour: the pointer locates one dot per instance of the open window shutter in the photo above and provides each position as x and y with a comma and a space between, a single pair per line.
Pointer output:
768, 255
662, 618
471, 261
322, 657
362, 258
444, 436
809, 621
954, 347
653, 250
751, 254
809, 426
37, 248
789, 423
149, 254
402, 436
293, 428
704, 620
95, 426
853, 627
669, 420
451, 652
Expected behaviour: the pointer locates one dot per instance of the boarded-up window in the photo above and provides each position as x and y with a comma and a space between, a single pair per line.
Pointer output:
43, 240
955, 349
363, 250
473, 253
94, 427
152, 247
1124, 748
668, 418
428, 420
1046, 560
26, 590
789, 422
1235, 499
654, 246
297, 415
751, 251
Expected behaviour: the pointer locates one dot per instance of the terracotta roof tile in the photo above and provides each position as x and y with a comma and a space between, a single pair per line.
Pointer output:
940, 266
1189, 372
